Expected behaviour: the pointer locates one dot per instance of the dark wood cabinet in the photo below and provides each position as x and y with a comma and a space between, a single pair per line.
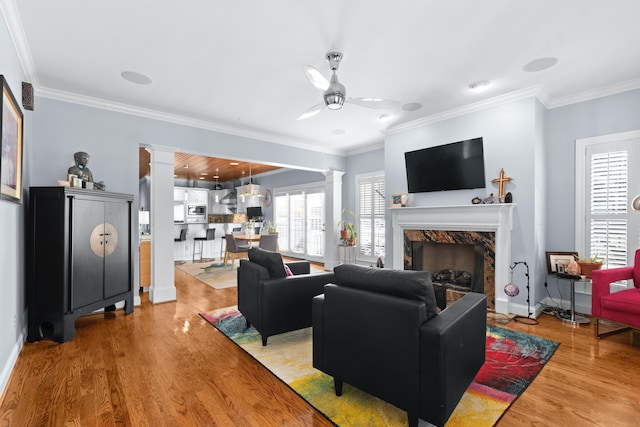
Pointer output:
79, 257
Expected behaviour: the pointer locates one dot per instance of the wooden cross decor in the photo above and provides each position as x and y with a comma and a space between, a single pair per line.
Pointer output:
501, 180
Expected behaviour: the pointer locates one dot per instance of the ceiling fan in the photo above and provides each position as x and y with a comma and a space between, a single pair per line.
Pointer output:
334, 93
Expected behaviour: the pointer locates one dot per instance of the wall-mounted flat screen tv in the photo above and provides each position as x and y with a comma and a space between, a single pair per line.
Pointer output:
455, 166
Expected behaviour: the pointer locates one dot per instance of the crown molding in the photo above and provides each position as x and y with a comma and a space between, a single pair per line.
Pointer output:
182, 120
535, 91
595, 93
19, 39
365, 148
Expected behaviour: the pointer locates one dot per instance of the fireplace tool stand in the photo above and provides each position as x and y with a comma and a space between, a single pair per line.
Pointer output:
528, 320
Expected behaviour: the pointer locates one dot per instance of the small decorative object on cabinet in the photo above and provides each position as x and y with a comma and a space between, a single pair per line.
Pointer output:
78, 257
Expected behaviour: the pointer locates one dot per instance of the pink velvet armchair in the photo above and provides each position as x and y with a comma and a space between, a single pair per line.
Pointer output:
622, 307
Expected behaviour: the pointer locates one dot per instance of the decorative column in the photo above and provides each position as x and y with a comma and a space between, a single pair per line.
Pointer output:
162, 277
332, 215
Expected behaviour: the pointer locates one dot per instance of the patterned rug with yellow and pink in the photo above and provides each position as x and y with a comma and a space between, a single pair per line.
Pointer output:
513, 360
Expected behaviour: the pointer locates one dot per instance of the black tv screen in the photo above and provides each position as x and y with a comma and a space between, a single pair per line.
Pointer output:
254, 212
455, 166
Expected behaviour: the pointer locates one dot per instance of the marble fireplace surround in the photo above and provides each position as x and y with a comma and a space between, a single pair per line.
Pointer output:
496, 218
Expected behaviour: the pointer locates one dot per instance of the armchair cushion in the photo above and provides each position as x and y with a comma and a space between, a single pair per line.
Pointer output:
272, 261
412, 285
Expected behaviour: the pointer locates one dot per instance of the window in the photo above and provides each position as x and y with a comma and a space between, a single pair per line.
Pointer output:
299, 217
607, 179
370, 212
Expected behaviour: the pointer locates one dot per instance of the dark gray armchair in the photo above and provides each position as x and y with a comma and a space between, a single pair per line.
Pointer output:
270, 300
378, 330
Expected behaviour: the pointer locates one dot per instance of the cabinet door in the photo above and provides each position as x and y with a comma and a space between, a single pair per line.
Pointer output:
86, 252
117, 259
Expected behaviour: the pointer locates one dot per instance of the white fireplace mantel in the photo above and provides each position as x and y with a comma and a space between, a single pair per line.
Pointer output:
497, 218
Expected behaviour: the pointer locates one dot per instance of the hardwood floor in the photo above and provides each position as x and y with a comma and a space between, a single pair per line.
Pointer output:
166, 366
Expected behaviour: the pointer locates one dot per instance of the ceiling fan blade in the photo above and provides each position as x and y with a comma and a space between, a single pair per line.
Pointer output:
383, 104
311, 111
316, 79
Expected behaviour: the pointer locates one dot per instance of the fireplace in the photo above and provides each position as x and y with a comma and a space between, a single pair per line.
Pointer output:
488, 226
460, 261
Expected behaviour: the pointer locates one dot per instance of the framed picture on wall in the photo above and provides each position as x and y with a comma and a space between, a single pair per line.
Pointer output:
557, 261
11, 160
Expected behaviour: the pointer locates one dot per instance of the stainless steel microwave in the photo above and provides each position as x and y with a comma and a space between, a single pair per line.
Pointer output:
196, 210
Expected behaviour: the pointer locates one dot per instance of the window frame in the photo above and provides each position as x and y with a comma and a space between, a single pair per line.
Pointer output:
581, 183
369, 177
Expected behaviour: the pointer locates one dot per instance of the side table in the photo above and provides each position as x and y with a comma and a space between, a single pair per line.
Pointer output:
572, 318
347, 254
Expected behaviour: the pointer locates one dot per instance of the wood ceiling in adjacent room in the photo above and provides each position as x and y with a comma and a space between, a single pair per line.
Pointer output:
199, 165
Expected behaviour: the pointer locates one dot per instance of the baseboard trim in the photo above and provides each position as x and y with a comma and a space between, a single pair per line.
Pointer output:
7, 369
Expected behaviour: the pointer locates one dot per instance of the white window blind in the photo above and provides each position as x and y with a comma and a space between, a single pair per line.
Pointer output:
608, 207
371, 211
610, 227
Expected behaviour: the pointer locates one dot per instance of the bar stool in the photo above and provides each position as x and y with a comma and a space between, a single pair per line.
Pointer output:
211, 235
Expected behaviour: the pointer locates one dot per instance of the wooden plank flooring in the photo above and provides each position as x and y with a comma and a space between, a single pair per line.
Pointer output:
166, 366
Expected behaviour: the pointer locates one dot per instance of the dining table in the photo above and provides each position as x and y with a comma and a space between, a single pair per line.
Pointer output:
245, 237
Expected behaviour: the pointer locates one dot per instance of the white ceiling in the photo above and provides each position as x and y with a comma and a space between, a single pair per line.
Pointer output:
237, 66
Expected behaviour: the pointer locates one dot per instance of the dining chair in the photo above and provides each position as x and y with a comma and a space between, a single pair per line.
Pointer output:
233, 251
269, 242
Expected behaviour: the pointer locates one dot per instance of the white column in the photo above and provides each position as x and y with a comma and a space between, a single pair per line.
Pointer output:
162, 278
332, 215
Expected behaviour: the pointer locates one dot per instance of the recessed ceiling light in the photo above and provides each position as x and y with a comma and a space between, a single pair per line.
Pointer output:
479, 86
412, 106
203, 173
234, 163
136, 78
202, 177
338, 131
216, 176
540, 64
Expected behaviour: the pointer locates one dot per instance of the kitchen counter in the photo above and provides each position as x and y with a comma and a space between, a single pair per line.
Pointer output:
227, 218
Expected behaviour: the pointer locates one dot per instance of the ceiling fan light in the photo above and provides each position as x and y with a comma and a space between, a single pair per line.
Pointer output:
334, 101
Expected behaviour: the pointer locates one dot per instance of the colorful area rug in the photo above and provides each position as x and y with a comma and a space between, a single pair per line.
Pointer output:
513, 360
212, 273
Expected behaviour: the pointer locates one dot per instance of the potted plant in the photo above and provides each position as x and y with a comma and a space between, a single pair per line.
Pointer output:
587, 265
346, 226
353, 234
271, 227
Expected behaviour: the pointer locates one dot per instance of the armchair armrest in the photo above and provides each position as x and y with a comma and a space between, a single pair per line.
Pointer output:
299, 267
287, 301
601, 284
454, 341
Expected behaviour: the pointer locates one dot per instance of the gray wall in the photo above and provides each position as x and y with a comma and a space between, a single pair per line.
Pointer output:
113, 139
602, 116
370, 161
511, 138
12, 229
285, 179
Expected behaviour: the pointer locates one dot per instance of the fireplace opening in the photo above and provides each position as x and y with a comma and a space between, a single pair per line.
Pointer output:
456, 268
459, 262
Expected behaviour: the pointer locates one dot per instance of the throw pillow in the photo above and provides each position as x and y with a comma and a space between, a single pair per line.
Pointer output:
287, 270
272, 261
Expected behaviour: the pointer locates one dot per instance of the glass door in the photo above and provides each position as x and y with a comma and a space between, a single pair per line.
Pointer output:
299, 216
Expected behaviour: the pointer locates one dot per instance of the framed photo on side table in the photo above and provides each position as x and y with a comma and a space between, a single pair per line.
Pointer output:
557, 261
11, 156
